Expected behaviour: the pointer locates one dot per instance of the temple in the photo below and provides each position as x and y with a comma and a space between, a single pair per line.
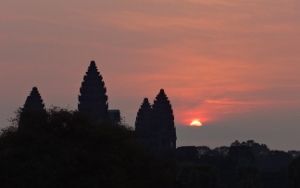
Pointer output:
155, 125
33, 112
93, 99
143, 124
163, 118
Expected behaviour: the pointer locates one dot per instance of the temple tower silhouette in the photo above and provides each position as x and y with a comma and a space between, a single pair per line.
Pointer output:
155, 128
143, 123
93, 99
33, 113
163, 121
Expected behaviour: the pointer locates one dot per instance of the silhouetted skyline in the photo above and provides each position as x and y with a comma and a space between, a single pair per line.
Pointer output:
233, 65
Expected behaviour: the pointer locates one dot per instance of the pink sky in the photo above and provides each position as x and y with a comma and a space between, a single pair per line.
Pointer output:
235, 64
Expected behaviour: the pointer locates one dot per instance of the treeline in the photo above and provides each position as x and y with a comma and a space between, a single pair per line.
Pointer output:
66, 150
242, 165
61, 148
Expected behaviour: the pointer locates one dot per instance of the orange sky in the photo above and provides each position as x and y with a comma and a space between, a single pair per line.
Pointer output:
225, 62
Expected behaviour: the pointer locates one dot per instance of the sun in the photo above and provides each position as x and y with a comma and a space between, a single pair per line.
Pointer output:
196, 123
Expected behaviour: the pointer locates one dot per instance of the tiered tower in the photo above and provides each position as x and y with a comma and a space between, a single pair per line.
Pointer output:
143, 123
33, 113
93, 99
163, 121
155, 125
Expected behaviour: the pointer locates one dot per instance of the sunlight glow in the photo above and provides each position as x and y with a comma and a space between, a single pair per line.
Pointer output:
196, 123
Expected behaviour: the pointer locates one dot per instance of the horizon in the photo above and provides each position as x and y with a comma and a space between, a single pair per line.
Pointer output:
233, 65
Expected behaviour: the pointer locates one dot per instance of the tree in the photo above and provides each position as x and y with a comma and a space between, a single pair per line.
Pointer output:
70, 151
294, 173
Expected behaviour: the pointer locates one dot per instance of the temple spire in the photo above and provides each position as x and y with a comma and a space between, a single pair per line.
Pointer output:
155, 127
93, 99
33, 112
162, 110
143, 120
34, 101
163, 121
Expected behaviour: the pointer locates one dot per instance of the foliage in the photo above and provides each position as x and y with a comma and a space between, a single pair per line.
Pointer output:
294, 173
193, 176
247, 164
69, 151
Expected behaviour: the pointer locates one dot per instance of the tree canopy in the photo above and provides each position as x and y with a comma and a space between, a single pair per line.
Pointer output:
70, 151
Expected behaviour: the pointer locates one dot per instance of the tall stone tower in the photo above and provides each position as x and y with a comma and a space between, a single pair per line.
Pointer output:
143, 123
154, 125
33, 113
163, 122
93, 99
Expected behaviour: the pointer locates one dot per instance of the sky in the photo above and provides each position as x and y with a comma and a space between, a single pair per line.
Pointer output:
233, 64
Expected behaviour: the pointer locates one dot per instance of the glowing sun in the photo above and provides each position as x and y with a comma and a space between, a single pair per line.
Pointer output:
196, 123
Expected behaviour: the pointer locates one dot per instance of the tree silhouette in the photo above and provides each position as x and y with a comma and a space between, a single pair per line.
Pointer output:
294, 173
70, 151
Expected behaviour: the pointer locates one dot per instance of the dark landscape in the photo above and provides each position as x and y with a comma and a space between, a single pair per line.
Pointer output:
149, 94
90, 147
